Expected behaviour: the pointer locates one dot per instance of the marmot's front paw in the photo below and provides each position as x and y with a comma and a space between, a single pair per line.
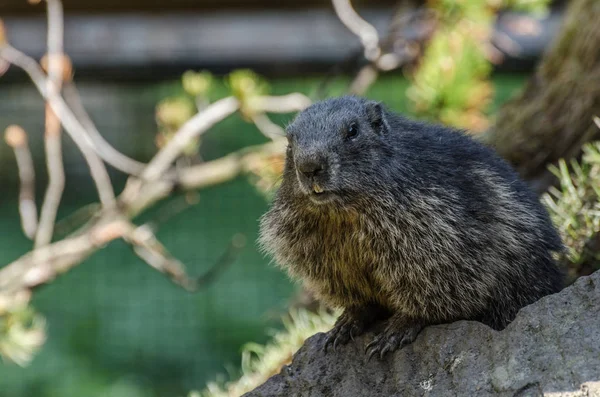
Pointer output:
346, 327
392, 338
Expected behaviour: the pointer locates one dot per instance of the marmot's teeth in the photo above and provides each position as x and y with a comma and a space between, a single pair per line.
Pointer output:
317, 188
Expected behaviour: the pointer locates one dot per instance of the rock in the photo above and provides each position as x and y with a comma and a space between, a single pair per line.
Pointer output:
552, 349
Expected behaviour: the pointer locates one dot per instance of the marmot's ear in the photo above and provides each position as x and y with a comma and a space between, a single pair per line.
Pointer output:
376, 115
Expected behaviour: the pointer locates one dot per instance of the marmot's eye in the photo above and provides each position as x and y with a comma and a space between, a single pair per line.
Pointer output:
352, 131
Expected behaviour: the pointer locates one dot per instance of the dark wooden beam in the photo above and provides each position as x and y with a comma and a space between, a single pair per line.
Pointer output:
95, 6
284, 41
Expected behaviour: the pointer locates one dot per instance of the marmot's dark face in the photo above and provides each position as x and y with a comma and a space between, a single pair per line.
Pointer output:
333, 147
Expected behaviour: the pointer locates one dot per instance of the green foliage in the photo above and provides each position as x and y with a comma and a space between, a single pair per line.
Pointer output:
575, 210
198, 90
197, 83
22, 333
260, 362
173, 112
246, 86
451, 83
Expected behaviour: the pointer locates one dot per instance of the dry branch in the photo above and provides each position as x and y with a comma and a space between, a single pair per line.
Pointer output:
150, 250
16, 137
289, 103
44, 264
390, 52
78, 124
267, 127
147, 184
191, 130
72, 125
104, 149
364, 30
56, 173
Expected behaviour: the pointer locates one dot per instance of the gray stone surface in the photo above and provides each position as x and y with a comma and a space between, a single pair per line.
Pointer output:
551, 349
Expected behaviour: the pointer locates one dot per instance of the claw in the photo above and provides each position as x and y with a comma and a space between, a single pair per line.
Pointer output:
327, 343
371, 353
372, 343
384, 351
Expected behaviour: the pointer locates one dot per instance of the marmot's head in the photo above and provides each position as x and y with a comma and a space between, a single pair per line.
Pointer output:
334, 152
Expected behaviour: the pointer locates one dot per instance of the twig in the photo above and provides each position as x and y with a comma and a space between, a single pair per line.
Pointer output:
226, 168
16, 137
267, 127
276, 104
70, 122
56, 181
364, 30
173, 208
597, 121
137, 195
81, 123
363, 80
104, 149
229, 256
4, 66
43, 264
400, 47
289, 103
192, 129
76, 219
53, 147
148, 248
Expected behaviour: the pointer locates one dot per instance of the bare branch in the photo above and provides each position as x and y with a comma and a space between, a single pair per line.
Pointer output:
597, 121
363, 80
70, 122
267, 127
173, 208
81, 123
276, 104
289, 103
55, 41
44, 264
16, 137
147, 247
192, 129
226, 168
408, 31
56, 182
53, 147
104, 149
364, 30
237, 243
137, 195
150, 250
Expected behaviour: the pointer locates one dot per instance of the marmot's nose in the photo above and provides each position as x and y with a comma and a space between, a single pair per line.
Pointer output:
311, 168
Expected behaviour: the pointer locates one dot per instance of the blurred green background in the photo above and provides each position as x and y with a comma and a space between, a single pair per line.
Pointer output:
117, 327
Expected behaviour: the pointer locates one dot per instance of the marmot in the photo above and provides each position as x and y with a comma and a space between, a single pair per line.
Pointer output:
404, 221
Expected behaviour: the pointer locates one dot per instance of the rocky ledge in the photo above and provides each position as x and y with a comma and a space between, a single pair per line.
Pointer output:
551, 349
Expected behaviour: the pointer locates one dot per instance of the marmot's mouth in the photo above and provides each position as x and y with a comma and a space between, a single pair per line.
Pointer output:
320, 198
